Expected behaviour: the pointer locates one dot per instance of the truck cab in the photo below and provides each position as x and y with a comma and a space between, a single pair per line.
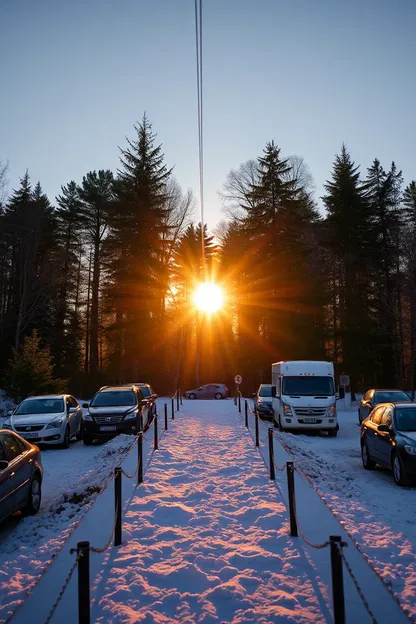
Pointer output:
304, 396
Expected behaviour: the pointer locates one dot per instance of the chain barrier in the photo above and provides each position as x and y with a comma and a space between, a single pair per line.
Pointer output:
131, 476
64, 586
357, 586
280, 468
108, 543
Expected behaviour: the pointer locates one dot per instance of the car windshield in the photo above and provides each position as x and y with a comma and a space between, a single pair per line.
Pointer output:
265, 391
308, 386
391, 396
405, 418
40, 406
114, 398
145, 391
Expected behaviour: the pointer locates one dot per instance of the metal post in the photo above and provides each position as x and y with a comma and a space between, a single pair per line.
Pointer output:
84, 583
177, 400
290, 471
246, 413
173, 409
117, 506
239, 401
156, 438
166, 416
271, 456
256, 419
235, 398
180, 394
140, 458
337, 579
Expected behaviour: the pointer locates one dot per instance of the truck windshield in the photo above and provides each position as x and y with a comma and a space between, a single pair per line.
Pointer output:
308, 386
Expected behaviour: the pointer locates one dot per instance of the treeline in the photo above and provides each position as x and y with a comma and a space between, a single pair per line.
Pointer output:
105, 273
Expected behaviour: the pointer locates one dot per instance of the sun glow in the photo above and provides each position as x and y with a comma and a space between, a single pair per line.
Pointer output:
208, 297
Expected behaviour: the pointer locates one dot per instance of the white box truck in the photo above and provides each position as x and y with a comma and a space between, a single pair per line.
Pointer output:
304, 396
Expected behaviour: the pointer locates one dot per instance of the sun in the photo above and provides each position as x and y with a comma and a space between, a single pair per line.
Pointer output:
208, 297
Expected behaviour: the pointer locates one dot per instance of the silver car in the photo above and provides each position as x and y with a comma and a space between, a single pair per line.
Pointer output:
52, 419
209, 391
263, 401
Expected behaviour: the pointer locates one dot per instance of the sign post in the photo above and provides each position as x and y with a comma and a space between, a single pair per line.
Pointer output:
237, 380
344, 390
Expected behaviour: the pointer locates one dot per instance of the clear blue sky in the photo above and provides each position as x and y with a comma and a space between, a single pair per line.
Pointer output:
76, 75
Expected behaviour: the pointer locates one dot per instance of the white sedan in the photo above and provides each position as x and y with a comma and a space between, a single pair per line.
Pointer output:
52, 419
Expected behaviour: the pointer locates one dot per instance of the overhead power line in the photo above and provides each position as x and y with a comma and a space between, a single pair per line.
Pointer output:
198, 42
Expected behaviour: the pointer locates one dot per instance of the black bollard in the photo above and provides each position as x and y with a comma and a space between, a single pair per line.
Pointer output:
117, 506
83, 548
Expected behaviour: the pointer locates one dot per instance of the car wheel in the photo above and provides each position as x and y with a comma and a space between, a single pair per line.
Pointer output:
34, 499
67, 438
399, 472
192, 396
332, 433
87, 439
368, 463
218, 395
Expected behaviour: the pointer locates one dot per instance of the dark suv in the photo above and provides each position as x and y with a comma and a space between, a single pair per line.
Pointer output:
113, 410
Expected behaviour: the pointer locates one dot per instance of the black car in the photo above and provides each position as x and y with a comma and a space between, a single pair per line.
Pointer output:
375, 396
114, 410
20, 475
149, 394
388, 438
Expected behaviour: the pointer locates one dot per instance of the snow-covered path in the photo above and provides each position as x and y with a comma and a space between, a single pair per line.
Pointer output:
206, 538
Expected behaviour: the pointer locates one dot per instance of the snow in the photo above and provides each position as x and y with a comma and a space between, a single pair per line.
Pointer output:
378, 515
205, 539
72, 478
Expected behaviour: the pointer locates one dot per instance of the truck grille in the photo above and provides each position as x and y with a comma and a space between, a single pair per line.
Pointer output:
310, 412
27, 428
108, 420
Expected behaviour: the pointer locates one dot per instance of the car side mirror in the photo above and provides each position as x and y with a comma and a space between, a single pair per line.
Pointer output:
383, 428
10, 412
85, 405
72, 410
3, 464
154, 397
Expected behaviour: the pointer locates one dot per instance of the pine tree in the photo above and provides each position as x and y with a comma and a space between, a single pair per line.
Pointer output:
70, 221
97, 196
30, 370
138, 223
349, 241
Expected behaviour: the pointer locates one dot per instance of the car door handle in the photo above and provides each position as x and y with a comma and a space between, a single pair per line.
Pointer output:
29, 461
11, 475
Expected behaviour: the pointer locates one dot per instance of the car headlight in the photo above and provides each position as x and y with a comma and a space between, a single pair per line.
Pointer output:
410, 449
88, 417
7, 424
332, 409
131, 414
55, 424
287, 410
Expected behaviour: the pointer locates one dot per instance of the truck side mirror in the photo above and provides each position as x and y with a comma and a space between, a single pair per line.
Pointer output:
273, 391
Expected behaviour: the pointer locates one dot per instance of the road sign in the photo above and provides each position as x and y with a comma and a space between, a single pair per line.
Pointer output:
238, 379
344, 380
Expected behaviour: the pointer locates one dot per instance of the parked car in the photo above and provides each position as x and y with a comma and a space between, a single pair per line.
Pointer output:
114, 410
148, 394
388, 438
21, 475
50, 419
375, 396
209, 391
263, 401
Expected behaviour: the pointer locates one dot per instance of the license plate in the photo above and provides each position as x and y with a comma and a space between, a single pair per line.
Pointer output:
108, 428
310, 421
30, 434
